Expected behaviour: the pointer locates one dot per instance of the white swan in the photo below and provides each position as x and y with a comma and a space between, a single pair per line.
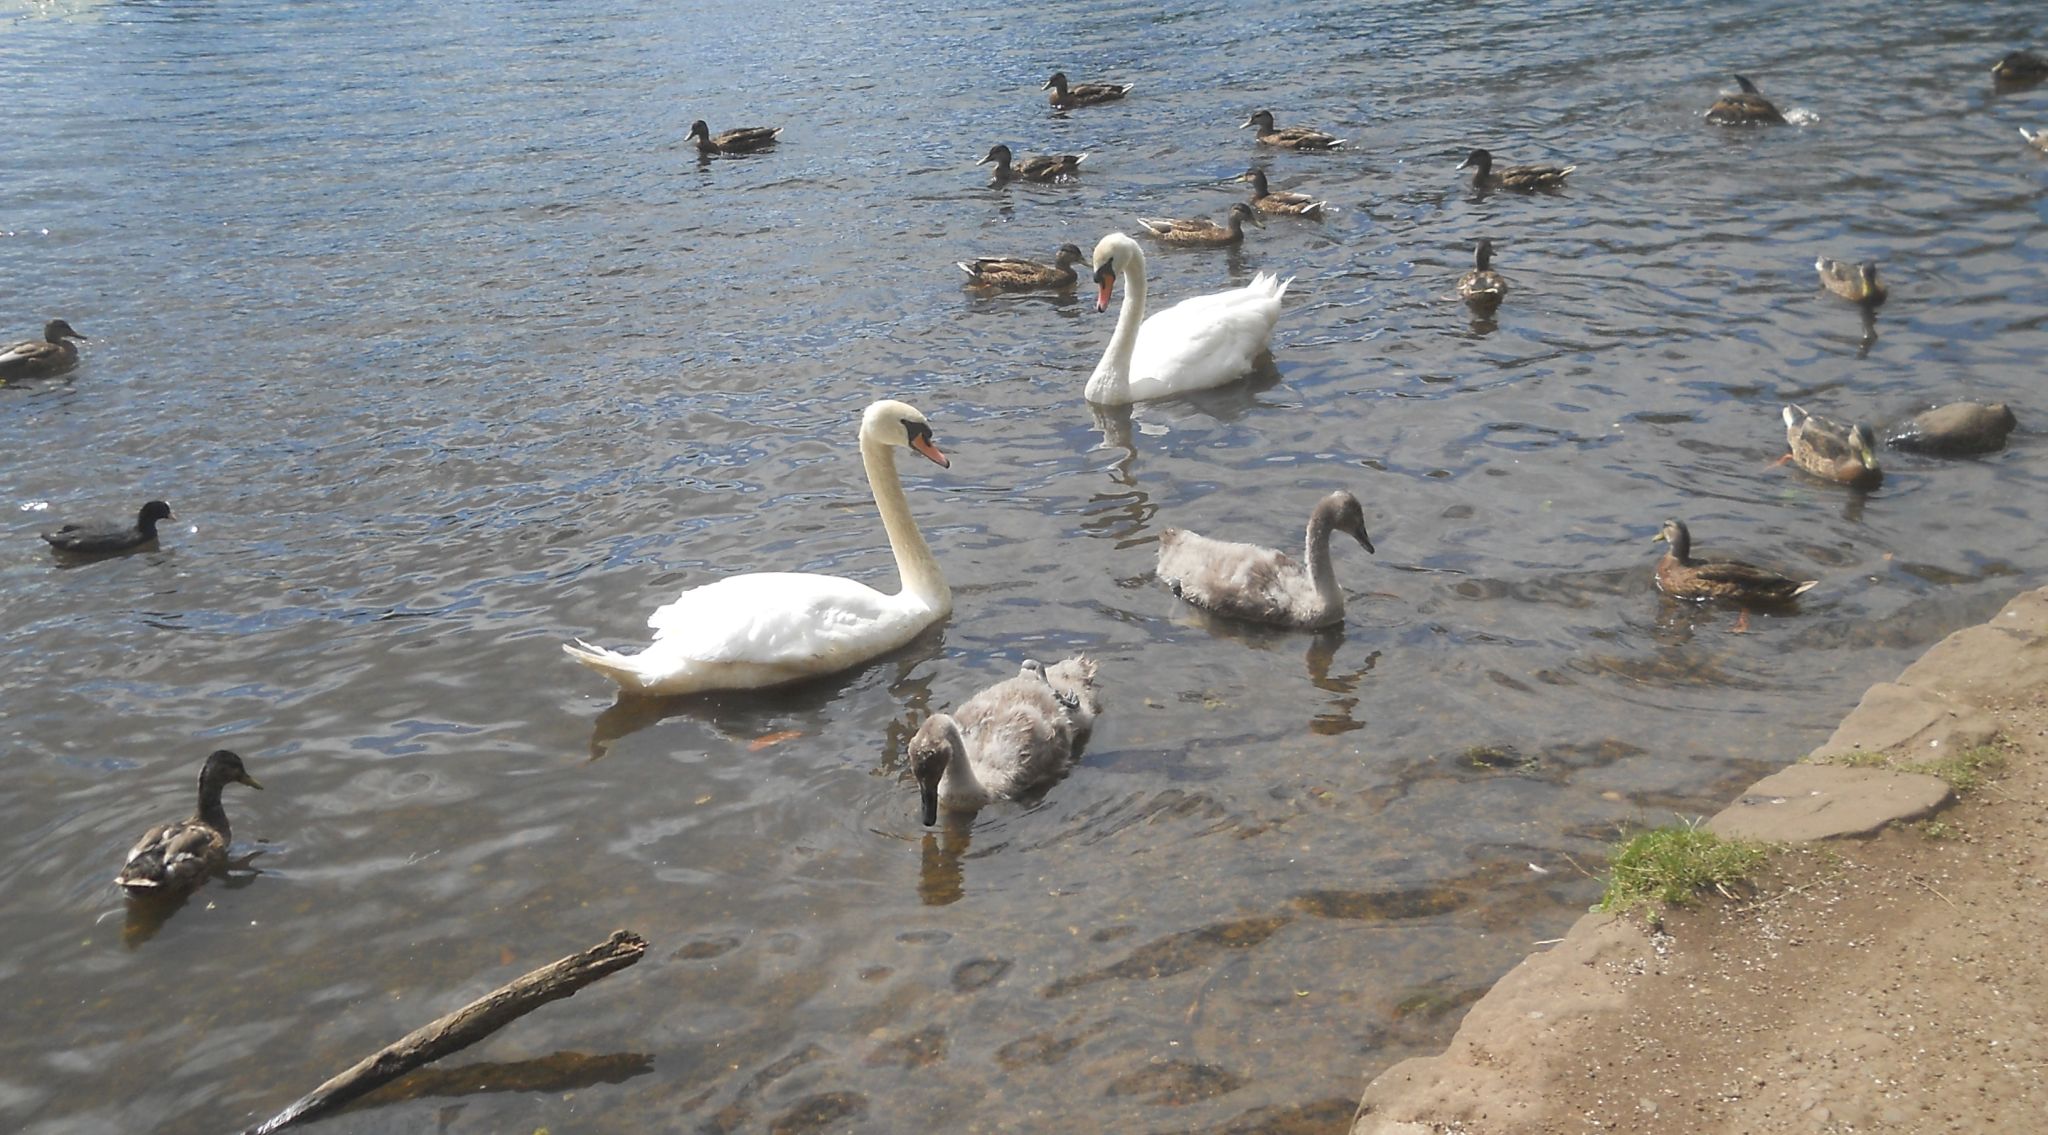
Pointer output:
767, 628
1200, 342
1010, 738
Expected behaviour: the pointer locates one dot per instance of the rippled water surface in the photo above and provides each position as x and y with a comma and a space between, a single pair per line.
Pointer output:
446, 349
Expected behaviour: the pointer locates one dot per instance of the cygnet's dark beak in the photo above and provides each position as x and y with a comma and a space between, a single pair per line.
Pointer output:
928, 794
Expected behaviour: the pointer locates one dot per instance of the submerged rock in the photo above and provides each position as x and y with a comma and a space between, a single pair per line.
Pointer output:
1957, 428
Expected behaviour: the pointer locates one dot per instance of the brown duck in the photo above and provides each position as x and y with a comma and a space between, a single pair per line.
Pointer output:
1842, 452
1746, 107
1682, 577
1525, 179
1203, 232
54, 353
1066, 97
1483, 287
171, 859
1015, 274
1282, 204
744, 140
1291, 138
1047, 167
1856, 283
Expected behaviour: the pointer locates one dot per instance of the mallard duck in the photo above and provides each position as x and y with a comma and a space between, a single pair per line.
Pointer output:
1681, 576
1957, 428
1048, 167
1856, 283
1016, 274
2020, 67
1483, 287
1279, 204
171, 859
1293, 137
1011, 738
744, 140
1526, 179
1064, 97
1202, 231
1832, 450
2038, 139
1266, 585
97, 538
1745, 108
51, 354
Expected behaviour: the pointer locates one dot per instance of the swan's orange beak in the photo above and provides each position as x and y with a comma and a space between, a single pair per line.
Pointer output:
924, 445
1107, 279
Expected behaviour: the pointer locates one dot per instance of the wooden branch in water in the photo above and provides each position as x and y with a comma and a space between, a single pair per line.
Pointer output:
464, 1027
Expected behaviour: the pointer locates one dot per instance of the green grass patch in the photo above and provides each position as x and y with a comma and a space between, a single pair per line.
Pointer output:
1673, 865
1967, 770
1964, 772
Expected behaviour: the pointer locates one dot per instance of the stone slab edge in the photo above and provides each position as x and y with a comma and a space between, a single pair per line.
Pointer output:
1936, 707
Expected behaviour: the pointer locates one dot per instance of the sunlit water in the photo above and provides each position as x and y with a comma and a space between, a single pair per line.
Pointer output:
446, 349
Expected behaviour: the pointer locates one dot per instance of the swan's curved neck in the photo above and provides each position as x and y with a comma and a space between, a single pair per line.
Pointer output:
965, 783
1111, 382
1315, 553
914, 562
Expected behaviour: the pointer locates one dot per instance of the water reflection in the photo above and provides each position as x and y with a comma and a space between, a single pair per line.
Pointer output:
760, 717
556, 1072
146, 914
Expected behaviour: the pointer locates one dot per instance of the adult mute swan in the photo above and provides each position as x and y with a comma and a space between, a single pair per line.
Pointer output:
1010, 738
767, 628
1200, 342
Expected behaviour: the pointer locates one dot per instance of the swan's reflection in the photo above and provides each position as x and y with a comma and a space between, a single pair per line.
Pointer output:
1337, 717
751, 715
940, 879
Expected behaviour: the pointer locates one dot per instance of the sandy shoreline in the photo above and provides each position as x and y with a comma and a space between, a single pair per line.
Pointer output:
1885, 975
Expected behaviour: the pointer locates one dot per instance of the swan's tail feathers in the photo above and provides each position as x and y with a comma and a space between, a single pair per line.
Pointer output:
1268, 282
623, 669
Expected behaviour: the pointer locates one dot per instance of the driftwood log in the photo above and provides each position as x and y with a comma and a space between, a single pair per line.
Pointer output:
464, 1027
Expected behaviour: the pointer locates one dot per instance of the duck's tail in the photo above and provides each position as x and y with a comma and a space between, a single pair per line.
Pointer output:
964, 266
624, 669
1806, 586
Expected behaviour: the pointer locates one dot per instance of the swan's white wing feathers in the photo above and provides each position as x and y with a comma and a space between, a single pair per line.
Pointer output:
773, 618
1205, 340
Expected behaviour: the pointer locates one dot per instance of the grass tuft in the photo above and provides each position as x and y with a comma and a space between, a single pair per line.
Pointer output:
1967, 770
1673, 865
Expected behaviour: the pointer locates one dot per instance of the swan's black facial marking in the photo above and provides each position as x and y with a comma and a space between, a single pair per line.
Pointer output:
918, 436
1105, 283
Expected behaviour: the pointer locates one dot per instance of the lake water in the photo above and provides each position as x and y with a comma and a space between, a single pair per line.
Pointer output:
446, 349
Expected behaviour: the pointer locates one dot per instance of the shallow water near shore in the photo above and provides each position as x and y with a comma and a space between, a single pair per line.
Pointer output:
447, 349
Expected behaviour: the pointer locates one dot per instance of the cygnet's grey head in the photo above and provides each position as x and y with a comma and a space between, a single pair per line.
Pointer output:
931, 751
1347, 516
